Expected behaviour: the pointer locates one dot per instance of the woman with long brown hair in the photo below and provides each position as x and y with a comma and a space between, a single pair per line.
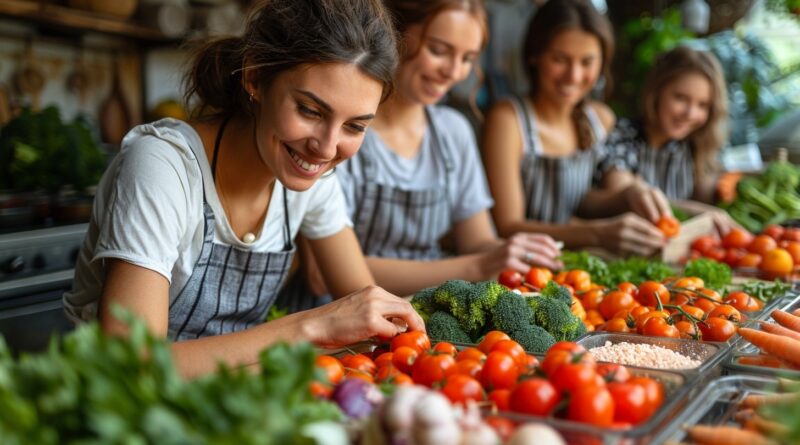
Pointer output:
194, 222
541, 150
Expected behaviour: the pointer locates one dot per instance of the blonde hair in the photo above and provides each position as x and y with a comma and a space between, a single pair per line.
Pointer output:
706, 141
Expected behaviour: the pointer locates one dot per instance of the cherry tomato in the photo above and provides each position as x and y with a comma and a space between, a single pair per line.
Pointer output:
510, 278
716, 254
615, 325
445, 348
555, 358
538, 277
645, 317
727, 312
468, 367
591, 299
359, 362
387, 373
471, 353
717, 329
615, 301
500, 371
743, 301
687, 329
651, 292
704, 304
490, 339
501, 399
628, 288
431, 369
687, 283
658, 327
669, 226
460, 388
580, 280
413, 339
693, 311
630, 402
404, 358
762, 244
531, 365
571, 376
534, 396
710, 294
331, 367
737, 238
513, 349
733, 256
791, 234
613, 372
591, 404
401, 379
383, 359
750, 259
654, 393
704, 243
502, 426
320, 390
773, 231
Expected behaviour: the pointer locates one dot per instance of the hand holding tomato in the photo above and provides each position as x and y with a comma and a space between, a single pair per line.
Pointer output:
669, 226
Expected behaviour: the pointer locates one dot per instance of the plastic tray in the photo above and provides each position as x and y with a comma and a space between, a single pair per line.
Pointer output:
786, 303
710, 354
715, 405
734, 366
576, 433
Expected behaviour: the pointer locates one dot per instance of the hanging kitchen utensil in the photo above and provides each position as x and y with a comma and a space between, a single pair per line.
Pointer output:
29, 79
115, 116
78, 79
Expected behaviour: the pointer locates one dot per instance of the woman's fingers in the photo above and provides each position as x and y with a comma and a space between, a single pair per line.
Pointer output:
662, 203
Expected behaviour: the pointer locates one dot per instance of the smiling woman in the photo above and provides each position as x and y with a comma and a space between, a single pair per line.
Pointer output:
194, 222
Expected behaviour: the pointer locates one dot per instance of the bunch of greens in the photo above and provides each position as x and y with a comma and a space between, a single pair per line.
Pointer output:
98, 389
715, 275
633, 269
766, 290
38, 151
770, 198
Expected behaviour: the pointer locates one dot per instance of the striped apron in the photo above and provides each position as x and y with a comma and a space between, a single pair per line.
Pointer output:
553, 186
230, 289
670, 168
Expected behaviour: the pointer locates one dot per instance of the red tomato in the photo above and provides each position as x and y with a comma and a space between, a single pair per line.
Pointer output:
628, 288
750, 259
716, 254
471, 353
359, 362
591, 299
460, 388
401, 379
615, 301
404, 358
651, 292
446, 348
513, 349
791, 234
654, 393
704, 243
530, 366
717, 329
658, 327
320, 390
571, 376
580, 280
500, 371
762, 244
773, 231
591, 404
430, 369
387, 373
737, 238
502, 426
413, 339
490, 339
687, 329
468, 367
669, 226
727, 312
743, 301
538, 277
331, 366
630, 402
383, 359
613, 372
534, 396
501, 399
615, 325
733, 256
510, 278
555, 358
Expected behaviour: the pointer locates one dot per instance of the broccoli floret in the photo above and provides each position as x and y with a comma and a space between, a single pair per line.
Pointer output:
482, 300
554, 290
453, 296
443, 326
511, 313
533, 338
423, 302
555, 317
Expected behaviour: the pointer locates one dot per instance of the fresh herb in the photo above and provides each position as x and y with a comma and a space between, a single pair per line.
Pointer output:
766, 290
715, 275
597, 268
97, 389
633, 269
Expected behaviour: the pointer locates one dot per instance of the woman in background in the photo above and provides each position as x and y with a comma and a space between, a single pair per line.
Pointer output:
541, 150
675, 143
194, 222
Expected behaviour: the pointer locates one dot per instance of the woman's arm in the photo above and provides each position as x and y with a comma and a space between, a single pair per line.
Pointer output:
340, 261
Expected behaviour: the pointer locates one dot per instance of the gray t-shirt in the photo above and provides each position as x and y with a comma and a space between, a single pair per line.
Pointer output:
468, 190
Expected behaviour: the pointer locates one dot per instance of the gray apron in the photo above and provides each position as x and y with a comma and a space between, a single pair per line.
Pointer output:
230, 289
553, 186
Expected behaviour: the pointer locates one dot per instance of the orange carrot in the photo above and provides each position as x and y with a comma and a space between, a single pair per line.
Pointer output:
787, 320
796, 312
767, 361
785, 348
759, 400
773, 328
726, 435
753, 421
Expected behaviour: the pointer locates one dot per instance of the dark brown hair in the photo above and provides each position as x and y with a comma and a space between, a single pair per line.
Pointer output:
283, 34
707, 140
407, 13
557, 16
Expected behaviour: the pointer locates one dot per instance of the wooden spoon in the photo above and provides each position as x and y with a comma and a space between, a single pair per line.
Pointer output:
115, 118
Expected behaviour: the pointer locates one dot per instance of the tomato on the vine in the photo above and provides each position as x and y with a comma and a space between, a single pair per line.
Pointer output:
629, 288
615, 301
514, 349
717, 329
743, 301
727, 312
659, 327
651, 292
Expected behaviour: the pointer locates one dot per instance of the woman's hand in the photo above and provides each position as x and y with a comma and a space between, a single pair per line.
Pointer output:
359, 316
723, 221
630, 234
520, 252
647, 201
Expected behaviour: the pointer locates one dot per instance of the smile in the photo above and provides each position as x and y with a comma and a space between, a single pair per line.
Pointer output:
307, 166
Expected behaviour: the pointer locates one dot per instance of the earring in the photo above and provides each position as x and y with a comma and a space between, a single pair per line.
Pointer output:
252, 99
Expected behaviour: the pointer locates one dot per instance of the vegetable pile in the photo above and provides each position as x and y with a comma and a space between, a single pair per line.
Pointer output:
770, 198
462, 312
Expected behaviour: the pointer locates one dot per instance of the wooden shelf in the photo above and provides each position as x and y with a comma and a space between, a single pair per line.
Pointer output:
77, 20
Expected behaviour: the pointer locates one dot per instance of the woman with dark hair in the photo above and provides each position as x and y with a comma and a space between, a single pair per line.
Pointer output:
194, 222
675, 143
418, 175
541, 150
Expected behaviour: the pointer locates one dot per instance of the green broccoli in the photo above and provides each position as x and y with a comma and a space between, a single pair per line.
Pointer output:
511, 313
533, 338
463, 301
482, 299
443, 326
556, 318
423, 302
554, 290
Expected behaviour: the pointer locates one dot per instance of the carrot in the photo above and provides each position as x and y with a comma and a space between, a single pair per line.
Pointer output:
787, 320
773, 328
759, 400
767, 361
753, 421
726, 435
796, 312
785, 348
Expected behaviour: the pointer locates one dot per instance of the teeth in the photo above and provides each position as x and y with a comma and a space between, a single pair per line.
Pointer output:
303, 164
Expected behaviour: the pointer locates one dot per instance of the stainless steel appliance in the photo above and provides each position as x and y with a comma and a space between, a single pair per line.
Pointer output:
36, 267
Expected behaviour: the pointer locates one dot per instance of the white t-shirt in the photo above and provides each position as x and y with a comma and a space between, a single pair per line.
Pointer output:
148, 211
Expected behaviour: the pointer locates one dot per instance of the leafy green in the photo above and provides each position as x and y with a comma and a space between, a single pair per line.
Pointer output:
715, 275
633, 269
766, 290
597, 268
97, 389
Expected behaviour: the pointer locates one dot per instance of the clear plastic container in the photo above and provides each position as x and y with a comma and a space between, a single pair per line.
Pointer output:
716, 404
735, 365
576, 433
787, 303
710, 354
